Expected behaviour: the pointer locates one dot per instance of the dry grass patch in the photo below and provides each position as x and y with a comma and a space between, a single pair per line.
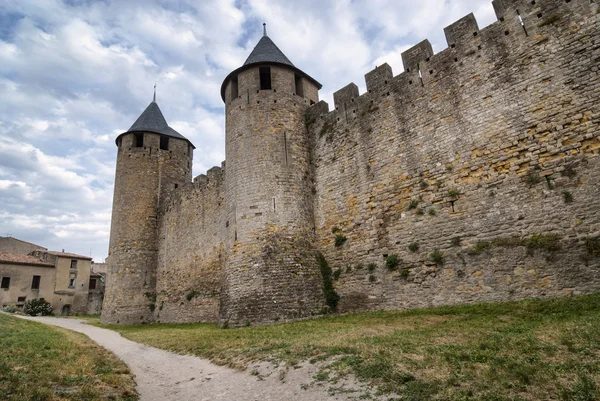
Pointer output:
528, 350
44, 363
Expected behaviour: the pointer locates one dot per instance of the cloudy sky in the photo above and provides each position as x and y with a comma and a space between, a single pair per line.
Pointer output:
76, 73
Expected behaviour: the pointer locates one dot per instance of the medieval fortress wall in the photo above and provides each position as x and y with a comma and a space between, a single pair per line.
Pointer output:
477, 168
486, 140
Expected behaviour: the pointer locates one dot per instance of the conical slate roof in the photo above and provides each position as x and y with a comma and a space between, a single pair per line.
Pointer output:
267, 52
152, 120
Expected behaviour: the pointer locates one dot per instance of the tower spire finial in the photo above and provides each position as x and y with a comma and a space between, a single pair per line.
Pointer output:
154, 98
264, 29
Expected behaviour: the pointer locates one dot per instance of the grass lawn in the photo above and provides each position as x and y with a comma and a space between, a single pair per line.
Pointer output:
39, 363
528, 350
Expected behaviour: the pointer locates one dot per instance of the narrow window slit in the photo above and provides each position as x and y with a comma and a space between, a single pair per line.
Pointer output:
285, 148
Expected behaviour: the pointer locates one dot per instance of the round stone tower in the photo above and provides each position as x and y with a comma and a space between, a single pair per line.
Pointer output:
152, 160
271, 272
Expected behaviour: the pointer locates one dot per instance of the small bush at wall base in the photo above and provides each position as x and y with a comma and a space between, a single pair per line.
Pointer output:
593, 246
38, 307
413, 247
10, 308
392, 262
437, 256
340, 239
567, 196
331, 297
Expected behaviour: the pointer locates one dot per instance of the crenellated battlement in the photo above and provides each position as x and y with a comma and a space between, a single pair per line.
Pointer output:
519, 21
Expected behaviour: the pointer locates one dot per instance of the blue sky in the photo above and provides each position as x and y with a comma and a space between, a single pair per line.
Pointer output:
76, 73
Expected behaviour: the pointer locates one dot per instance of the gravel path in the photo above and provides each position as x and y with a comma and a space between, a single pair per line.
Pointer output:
164, 376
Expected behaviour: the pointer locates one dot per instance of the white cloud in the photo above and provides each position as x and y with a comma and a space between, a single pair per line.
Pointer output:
74, 75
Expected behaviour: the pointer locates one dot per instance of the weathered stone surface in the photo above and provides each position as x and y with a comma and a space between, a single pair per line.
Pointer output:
496, 137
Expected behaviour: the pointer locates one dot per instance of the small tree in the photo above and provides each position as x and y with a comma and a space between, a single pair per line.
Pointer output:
38, 307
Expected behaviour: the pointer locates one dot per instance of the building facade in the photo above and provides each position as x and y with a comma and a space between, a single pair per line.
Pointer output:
472, 176
63, 279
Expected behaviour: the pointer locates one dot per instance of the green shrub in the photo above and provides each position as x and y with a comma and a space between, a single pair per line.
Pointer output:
371, 266
404, 273
340, 239
337, 273
532, 179
453, 194
479, 247
593, 246
192, 294
432, 212
10, 308
413, 204
567, 196
437, 256
392, 262
420, 212
38, 307
331, 297
569, 171
413, 247
548, 242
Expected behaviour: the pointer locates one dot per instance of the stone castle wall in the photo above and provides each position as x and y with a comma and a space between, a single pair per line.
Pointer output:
191, 251
477, 168
471, 151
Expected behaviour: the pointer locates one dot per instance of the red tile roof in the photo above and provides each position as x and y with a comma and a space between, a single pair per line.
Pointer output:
14, 259
67, 255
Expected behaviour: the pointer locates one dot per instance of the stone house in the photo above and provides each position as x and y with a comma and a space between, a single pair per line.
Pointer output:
66, 280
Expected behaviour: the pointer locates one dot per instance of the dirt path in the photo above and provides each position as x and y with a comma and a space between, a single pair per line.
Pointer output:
164, 376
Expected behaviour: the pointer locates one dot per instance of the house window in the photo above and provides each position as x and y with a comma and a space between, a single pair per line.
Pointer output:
35, 283
92, 284
164, 142
234, 88
73, 264
71, 283
21, 300
5, 282
299, 86
139, 140
265, 77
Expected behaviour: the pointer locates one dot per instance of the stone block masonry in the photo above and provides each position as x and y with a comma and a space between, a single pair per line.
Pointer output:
471, 176
472, 152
